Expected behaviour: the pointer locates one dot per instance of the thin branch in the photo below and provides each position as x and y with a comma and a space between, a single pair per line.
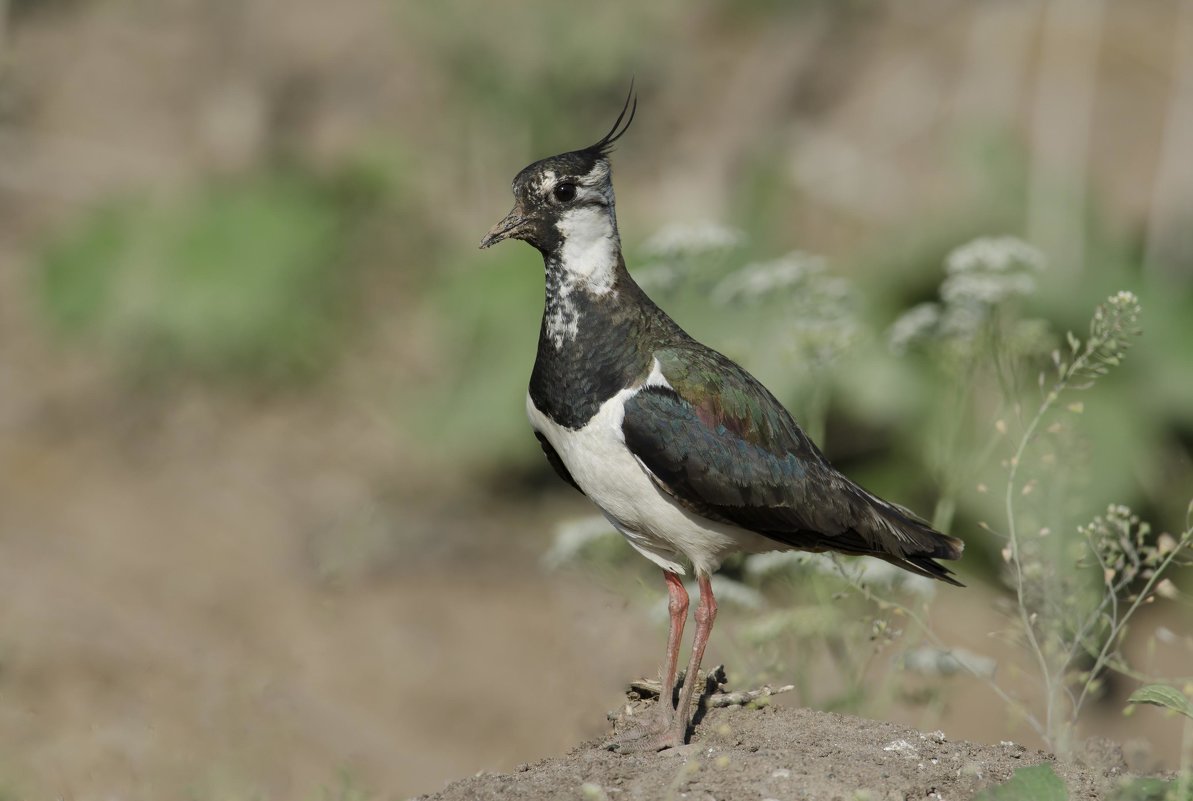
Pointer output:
1117, 631
1013, 537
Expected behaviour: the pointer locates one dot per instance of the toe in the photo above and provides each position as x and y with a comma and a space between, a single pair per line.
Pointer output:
648, 745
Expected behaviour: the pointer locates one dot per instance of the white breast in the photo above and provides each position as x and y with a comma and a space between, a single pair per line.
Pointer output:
655, 525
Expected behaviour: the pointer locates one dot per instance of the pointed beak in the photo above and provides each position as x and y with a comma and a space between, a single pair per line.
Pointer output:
504, 229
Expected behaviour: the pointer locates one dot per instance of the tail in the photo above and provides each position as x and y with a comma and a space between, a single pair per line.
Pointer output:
904, 539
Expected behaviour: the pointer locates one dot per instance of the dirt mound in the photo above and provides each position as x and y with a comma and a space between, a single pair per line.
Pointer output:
786, 753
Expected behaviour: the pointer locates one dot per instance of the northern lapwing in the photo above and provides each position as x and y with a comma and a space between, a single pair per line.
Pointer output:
685, 453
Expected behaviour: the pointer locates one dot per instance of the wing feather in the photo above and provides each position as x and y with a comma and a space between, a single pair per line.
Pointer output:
715, 439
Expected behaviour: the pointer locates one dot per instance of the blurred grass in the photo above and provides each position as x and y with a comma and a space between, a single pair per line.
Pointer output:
249, 278
585, 68
474, 409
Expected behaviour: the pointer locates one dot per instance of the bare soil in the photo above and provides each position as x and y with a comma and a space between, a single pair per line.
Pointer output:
790, 753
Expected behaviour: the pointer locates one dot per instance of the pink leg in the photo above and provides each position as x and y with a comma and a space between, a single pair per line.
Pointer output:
677, 605
676, 731
706, 614
660, 720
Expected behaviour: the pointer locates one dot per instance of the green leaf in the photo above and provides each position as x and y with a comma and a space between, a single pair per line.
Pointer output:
1165, 696
1151, 790
1037, 783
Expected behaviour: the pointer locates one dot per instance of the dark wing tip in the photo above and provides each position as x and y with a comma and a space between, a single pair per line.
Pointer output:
916, 545
602, 148
927, 566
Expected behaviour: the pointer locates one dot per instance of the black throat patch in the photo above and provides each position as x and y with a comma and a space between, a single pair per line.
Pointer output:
591, 345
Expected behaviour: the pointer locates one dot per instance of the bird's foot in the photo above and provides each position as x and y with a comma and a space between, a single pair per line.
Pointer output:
645, 725
657, 741
638, 721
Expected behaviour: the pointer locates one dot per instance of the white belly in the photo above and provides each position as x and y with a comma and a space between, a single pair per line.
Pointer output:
655, 525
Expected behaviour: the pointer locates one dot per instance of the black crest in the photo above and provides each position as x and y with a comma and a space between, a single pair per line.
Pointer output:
602, 148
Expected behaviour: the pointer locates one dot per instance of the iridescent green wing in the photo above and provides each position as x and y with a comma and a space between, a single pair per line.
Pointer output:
717, 441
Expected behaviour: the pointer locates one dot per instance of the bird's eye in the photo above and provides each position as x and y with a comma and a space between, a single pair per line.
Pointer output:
565, 192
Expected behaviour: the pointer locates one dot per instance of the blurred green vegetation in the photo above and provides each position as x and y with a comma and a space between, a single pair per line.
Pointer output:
584, 68
258, 278
251, 278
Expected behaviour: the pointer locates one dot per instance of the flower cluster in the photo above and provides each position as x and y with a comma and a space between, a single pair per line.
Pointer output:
1124, 547
682, 253
572, 538
682, 240
979, 277
760, 280
819, 321
1111, 331
994, 254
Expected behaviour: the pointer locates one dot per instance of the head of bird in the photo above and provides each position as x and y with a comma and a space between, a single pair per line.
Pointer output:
569, 196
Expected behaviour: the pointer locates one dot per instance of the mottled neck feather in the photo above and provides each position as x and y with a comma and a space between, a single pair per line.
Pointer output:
586, 264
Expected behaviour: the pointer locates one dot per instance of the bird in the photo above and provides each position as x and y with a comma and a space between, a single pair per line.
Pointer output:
684, 452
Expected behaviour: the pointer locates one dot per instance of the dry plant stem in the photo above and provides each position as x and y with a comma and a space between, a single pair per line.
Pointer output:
1186, 770
1050, 683
1108, 608
1109, 599
1013, 537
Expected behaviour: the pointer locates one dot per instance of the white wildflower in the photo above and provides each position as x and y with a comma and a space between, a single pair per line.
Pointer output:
961, 322
1125, 299
658, 277
986, 289
913, 325
689, 239
572, 536
998, 254
760, 279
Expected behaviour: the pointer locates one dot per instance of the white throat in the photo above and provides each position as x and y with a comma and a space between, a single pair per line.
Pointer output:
587, 262
590, 245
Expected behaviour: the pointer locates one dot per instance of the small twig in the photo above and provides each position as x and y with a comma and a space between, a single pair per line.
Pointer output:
714, 695
743, 697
